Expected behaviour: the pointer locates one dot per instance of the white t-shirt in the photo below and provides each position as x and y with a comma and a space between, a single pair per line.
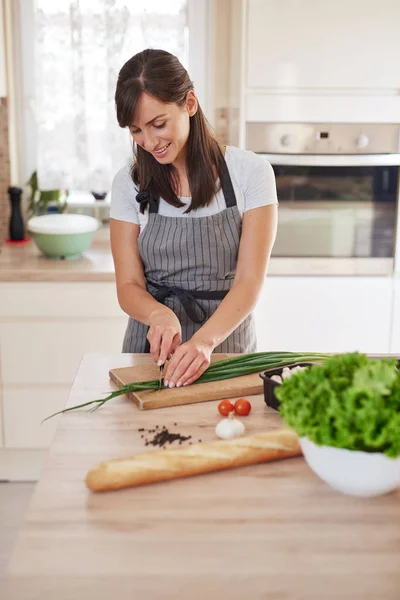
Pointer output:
252, 178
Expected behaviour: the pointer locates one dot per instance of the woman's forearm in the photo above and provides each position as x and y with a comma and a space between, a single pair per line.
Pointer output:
136, 302
233, 310
259, 227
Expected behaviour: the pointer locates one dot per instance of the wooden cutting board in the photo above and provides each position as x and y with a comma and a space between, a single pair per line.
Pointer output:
246, 385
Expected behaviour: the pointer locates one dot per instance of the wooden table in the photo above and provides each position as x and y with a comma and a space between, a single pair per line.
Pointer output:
270, 531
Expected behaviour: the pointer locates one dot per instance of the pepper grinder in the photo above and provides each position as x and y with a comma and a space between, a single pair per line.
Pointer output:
16, 226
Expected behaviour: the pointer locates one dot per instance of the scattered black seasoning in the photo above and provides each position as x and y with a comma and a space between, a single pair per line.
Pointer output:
164, 437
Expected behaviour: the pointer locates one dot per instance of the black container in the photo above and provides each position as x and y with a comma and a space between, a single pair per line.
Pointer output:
99, 196
16, 225
270, 385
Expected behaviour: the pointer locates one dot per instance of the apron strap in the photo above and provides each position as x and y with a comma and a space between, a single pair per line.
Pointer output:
227, 187
146, 196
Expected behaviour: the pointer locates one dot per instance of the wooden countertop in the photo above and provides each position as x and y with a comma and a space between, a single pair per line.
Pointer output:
268, 531
27, 263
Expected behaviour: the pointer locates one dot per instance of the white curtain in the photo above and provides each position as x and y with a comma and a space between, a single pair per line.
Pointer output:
80, 46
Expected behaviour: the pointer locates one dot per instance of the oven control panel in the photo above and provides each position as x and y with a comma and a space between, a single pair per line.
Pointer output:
323, 138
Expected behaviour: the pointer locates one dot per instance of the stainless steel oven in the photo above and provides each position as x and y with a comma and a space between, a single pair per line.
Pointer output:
338, 188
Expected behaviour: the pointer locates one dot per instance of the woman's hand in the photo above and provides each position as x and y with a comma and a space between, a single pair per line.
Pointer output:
164, 335
189, 361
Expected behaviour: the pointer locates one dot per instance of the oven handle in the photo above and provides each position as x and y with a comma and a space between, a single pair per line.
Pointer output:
333, 160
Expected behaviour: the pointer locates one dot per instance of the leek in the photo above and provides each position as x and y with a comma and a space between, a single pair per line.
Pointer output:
243, 364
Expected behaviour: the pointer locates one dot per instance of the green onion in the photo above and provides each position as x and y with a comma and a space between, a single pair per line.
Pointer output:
227, 368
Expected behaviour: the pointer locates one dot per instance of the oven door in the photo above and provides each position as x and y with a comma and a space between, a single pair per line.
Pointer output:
336, 208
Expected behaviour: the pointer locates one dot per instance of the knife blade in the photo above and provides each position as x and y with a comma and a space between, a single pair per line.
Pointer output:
161, 372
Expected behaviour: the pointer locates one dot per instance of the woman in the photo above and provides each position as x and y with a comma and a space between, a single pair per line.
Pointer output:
192, 225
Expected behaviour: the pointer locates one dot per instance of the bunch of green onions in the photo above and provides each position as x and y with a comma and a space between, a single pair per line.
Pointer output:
236, 366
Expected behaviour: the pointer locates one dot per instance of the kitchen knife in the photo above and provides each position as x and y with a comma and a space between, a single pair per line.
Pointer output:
161, 371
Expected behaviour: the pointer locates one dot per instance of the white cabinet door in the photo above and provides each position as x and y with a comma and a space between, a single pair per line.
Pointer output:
395, 333
1, 408
43, 300
50, 352
40, 362
325, 314
45, 329
318, 44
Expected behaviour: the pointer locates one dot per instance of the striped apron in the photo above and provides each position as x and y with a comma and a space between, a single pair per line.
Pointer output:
189, 266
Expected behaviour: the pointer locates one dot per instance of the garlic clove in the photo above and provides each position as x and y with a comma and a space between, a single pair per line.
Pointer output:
286, 373
276, 378
298, 369
229, 428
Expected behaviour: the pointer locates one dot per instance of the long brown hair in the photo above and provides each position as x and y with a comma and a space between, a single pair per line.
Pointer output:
161, 75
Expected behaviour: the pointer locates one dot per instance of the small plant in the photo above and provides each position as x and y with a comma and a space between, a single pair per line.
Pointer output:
40, 200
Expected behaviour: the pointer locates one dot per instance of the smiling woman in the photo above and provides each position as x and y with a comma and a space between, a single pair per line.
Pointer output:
164, 135
192, 224
155, 98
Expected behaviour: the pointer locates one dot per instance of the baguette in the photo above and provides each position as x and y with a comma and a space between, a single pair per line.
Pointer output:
151, 467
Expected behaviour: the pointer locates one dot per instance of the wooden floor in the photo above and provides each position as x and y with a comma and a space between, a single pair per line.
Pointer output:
14, 502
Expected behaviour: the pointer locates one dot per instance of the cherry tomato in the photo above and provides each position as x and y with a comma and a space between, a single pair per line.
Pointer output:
225, 407
242, 407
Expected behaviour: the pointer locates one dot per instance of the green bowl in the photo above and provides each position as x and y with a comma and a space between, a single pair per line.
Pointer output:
62, 236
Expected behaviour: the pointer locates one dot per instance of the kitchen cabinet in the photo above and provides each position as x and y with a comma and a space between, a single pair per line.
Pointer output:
49, 352
395, 331
45, 328
326, 314
39, 364
337, 45
1, 409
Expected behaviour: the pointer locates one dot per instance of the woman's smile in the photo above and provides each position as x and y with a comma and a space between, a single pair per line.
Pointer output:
161, 152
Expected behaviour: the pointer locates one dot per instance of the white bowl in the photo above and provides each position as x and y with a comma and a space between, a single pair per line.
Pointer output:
353, 472
62, 224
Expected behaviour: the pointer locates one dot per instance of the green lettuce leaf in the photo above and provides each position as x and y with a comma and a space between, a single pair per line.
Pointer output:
350, 401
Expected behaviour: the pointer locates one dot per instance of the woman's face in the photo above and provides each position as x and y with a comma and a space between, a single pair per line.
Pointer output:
163, 129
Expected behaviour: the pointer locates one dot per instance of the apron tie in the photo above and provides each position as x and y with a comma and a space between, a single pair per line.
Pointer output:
144, 197
188, 299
